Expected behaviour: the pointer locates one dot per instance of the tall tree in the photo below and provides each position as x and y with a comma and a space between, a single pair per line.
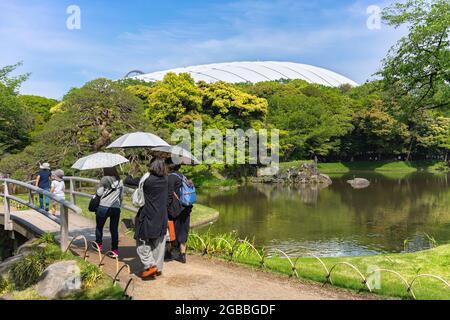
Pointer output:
12, 83
39, 107
14, 120
416, 71
85, 121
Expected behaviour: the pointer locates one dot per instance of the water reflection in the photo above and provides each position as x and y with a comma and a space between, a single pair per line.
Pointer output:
339, 220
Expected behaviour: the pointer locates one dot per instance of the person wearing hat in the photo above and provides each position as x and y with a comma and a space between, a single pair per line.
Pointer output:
57, 187
43, 182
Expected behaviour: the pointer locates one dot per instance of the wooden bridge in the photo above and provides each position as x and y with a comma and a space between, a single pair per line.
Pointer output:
36, 221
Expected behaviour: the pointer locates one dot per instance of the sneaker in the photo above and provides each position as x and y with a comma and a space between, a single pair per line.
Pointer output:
168, 256
181, 258
113, 254
94, 246
149, 272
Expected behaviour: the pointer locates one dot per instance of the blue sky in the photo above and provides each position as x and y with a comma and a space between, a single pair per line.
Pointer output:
118, 36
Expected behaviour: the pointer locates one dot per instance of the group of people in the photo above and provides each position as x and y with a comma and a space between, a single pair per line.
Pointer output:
161, 190
52, 182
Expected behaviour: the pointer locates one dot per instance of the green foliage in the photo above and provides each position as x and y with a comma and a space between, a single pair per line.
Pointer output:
39, 108
376, 132
90, 274
12, 83
88, 119
5, 285
416, 70
47, 238
15, 122
315, 118
28, 270
176, 101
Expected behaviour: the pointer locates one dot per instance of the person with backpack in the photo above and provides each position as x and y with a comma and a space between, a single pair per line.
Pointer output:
181, 198
110, 193
151, 219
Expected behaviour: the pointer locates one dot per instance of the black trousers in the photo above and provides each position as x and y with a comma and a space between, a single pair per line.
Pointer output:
101, 216
182, 223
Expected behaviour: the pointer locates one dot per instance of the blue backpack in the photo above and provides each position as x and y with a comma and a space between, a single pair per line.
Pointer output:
187, 191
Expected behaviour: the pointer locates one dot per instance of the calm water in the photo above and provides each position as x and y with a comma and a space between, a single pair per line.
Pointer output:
339, 220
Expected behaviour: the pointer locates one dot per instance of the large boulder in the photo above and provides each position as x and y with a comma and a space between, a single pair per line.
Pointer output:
359, 183
60, 280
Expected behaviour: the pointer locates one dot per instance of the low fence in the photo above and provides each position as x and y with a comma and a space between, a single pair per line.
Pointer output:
231, 249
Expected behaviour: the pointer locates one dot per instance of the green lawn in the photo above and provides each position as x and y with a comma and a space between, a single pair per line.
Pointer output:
435, 261
377, 166
200, 213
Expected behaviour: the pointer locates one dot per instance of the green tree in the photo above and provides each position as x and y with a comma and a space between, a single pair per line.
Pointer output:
39, 108
431, 135
15, 122
169, 100
416, 71
376, 133
314, 117
89, 118
12, 83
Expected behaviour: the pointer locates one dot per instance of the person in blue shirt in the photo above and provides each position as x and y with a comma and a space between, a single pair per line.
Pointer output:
43, 181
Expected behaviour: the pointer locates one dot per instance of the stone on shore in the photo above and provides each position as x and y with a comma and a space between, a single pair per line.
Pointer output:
60, 280
359, 183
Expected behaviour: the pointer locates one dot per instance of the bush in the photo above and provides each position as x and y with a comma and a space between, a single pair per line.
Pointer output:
27, 271
90, 274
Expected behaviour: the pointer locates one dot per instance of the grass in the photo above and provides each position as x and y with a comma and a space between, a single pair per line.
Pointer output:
200, 213
26, 272
377, 166
434, 261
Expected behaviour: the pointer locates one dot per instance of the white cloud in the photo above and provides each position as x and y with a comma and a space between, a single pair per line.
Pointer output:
281, 30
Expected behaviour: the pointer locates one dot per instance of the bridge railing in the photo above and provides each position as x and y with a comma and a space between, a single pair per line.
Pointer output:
65, 206
74, 193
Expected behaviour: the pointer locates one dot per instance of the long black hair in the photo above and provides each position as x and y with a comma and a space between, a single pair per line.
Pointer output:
111, 172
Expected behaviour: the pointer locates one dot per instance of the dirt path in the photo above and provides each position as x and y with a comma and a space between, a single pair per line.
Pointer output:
209, 278
200, 278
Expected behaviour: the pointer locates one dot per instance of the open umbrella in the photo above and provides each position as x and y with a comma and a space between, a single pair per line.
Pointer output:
99, 160
138, 139
179, 154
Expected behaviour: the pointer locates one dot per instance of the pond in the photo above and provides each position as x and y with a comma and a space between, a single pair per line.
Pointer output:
339, 220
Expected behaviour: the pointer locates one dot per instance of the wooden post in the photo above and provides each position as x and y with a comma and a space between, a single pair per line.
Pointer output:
31, 197
71, 191
7, 204
64, 218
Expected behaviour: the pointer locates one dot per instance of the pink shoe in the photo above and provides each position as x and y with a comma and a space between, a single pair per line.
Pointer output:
113, 254
94, 246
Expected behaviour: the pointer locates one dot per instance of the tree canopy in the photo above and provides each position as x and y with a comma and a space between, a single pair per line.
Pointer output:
87, 120
416, 71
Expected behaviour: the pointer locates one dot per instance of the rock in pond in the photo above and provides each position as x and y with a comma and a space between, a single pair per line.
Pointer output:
359, 183
60, 280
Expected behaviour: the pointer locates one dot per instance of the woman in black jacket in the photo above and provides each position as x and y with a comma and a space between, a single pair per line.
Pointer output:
151, 219
178, 213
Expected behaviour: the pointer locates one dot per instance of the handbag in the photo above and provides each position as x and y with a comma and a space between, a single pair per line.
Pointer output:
94, 203
138, 198
95, 200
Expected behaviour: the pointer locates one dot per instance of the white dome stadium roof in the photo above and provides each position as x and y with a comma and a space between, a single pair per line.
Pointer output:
255, 71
